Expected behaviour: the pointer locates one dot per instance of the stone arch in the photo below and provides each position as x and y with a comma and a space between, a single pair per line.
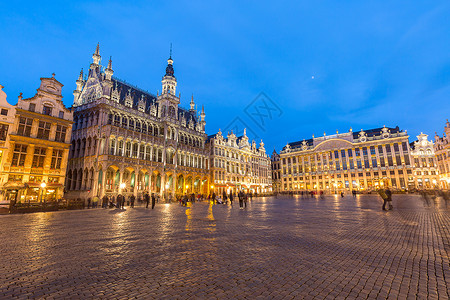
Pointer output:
74, 180
156, 181
91, 178
112, 179
180, 184
205, 185
80, 179
188, 184
197, 185
69, 180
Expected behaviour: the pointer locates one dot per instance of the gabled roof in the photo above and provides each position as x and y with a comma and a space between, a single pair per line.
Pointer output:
136, 93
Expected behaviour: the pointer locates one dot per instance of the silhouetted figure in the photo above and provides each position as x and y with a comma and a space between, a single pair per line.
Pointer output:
147, 200
153, 201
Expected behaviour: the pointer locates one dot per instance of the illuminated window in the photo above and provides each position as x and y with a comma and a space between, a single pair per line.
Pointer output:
44, 130
56, 159
60, 135
20, 152
24, 126
39, 157
47, 110
3, 131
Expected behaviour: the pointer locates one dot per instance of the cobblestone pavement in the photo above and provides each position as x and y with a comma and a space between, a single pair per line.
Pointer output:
276, 248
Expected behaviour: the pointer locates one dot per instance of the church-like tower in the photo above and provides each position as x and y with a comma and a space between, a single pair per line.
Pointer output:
168, 101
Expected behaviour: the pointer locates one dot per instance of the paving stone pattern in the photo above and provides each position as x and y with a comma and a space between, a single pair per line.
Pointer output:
277, 248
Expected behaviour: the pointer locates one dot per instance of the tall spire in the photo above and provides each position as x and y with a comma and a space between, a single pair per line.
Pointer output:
192, 104
169, 68
80, 77
96, 56
109, 71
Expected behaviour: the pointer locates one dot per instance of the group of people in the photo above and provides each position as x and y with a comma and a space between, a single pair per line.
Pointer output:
217, 199
120, 200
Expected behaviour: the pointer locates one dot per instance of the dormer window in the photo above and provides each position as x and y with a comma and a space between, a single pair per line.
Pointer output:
47, 110
32, 107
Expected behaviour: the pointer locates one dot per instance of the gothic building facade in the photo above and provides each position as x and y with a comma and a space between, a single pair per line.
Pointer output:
238, 165
129, 141
363, 161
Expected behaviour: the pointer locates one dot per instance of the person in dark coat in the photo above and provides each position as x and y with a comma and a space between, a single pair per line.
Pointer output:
132, 199
214, 198
224, 197
241, 200
389, 198
231, 198
153, 201
105, 201
147, 200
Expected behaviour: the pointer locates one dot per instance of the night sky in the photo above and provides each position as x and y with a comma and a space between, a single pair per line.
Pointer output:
285, 69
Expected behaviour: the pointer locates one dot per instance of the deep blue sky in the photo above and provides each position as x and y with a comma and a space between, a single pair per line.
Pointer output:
328, 65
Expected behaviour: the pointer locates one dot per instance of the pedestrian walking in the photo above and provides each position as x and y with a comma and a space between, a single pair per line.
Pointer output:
241, 200
245, 200
153, 200
231, 198
386, 195
89, 202
105, 201
147, 200
354, 193
342, 194
214, 198
132, 199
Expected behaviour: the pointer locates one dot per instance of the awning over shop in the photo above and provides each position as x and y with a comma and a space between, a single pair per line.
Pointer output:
14, 185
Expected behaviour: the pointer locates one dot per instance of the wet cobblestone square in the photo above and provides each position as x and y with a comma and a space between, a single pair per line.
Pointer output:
282, 247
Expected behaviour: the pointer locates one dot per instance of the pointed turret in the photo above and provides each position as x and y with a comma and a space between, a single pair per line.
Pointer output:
80, 81
96, 56
77, 91
109, 71
192, 104
169, 82
202, 119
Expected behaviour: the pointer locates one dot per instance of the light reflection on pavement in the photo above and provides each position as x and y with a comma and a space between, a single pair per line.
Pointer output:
276, 248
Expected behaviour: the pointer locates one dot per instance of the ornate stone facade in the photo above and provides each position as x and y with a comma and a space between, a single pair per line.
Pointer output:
426, 173
348, 161
238, 165
442, 152
129, 141
34, 165
276, 172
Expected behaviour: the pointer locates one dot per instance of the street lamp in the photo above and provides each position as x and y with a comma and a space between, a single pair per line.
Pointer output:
43, 185
122, 186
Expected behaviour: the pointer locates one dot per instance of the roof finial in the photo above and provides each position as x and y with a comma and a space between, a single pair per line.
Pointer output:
110, 63
170, 56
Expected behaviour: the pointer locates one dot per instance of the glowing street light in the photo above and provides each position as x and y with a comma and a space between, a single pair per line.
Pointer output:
43, 185
122, 186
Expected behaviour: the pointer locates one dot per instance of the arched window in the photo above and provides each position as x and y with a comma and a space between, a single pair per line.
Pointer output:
112, 146
131, 124
124, 122
117, 120
138, 126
